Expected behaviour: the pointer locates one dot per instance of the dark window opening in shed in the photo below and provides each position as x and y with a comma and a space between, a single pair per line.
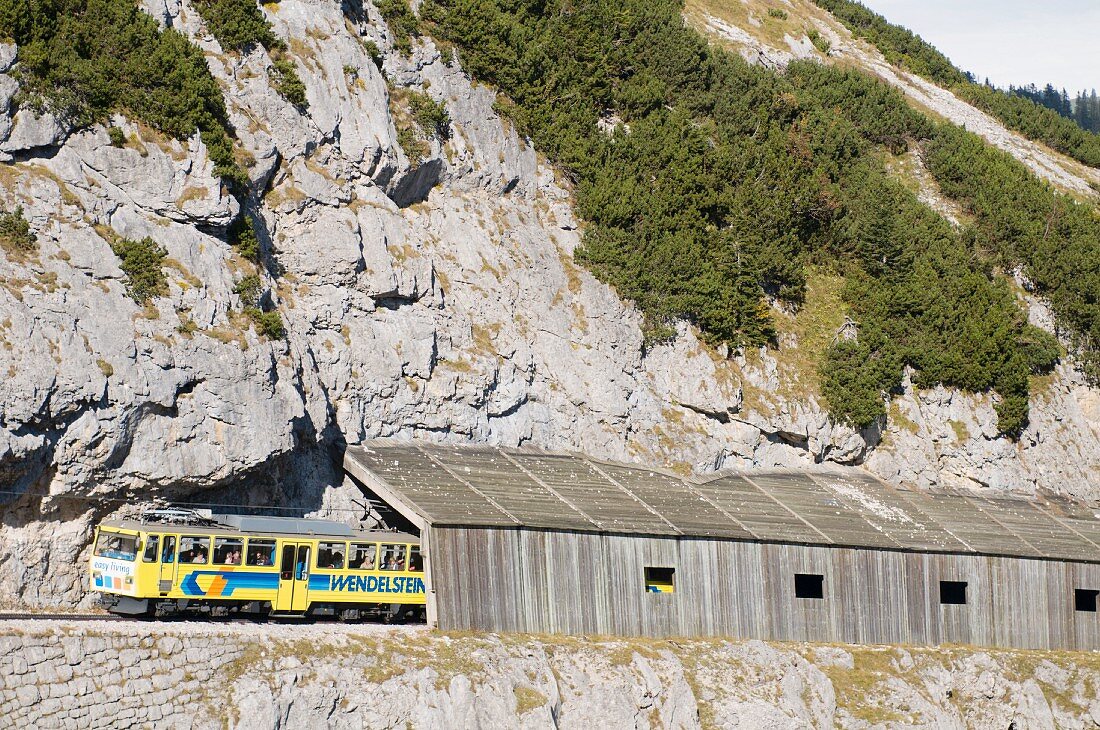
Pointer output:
660, 580
953, 592
809, 585
1085, 600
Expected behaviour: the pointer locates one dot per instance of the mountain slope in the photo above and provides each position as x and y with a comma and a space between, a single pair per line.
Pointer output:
747, 27
427, 286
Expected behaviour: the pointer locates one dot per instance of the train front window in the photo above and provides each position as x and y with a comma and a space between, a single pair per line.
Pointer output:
228, 550
362, 555
152, 545
261, 552
116, 545
393, 557
330, 555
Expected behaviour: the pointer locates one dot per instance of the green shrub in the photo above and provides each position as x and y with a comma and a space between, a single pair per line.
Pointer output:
268, 324
242, 236
374, 52
431, 116
820, 42
84, 59
238, 25
249, 289
402, 22
287, 82
777, 13
117, 136
15, 232
15, 236
142, 262
416, 148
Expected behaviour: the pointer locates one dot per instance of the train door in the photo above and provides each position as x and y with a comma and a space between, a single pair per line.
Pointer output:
293, 593
167, 563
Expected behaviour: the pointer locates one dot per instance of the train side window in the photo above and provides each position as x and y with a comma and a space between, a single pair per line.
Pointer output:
363, 555
416, 560
168, 554
194, 549
152, 547
261, 552
330, 555
393, 557
227, 550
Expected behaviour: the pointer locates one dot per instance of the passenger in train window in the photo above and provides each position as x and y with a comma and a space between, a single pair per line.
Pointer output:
393, 557
331, 555
227, 551
362, 556
194, 549
261, 552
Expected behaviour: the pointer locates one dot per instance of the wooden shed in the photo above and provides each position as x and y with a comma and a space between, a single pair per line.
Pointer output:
531, 541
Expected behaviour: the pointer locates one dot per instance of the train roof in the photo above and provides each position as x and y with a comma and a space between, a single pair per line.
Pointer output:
269, 527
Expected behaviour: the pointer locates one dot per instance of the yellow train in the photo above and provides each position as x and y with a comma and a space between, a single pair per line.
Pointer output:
175, 561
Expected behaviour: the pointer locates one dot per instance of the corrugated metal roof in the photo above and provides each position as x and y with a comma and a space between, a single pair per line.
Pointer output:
486, 486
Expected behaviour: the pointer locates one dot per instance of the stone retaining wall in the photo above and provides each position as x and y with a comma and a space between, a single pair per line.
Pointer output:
257, 676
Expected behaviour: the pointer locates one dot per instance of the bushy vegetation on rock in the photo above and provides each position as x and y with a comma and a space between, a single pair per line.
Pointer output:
240, 25
268, 324
15, 232
904, 48
402, 23
242, 236
709, 185
142, 261
84, 59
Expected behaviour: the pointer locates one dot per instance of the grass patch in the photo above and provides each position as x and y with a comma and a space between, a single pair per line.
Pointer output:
528, 699
898, 418
962, 433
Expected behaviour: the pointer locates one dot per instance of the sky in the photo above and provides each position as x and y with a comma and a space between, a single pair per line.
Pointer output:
1009, 41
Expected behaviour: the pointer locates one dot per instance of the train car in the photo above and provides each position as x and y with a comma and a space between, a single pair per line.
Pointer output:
171, 561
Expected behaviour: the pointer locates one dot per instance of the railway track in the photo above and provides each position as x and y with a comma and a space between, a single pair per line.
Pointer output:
15, 616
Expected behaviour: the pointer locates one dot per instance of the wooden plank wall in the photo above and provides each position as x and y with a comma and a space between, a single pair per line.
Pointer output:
540, 581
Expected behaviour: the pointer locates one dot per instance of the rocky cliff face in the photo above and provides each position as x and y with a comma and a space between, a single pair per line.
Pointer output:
431, 298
